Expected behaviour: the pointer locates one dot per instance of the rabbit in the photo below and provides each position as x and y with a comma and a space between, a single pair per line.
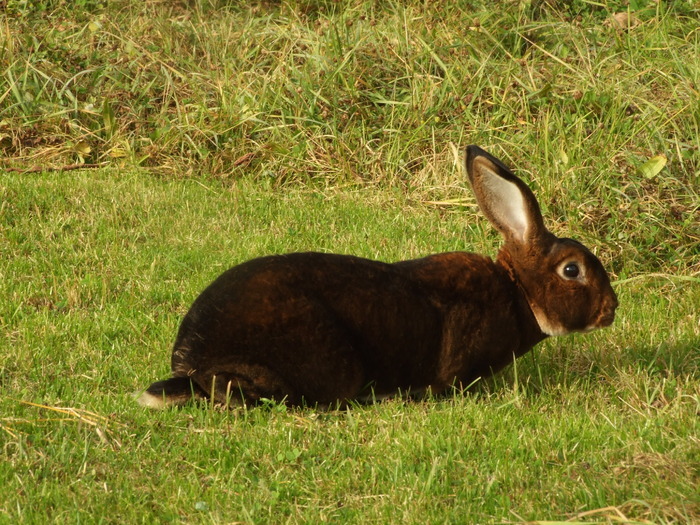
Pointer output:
320, 328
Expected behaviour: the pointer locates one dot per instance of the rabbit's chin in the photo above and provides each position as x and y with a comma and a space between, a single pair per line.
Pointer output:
555, 329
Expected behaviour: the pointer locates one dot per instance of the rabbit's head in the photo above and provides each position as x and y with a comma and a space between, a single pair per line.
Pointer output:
566, 286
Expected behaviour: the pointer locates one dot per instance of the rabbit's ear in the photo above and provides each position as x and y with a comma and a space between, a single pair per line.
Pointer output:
506, 201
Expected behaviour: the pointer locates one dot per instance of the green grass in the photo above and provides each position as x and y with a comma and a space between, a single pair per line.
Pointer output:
101, 268
225, 132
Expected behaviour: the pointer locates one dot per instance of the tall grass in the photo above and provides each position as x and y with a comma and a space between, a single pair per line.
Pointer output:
352, 92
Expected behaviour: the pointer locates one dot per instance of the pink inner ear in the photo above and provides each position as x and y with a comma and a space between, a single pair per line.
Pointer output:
505, 203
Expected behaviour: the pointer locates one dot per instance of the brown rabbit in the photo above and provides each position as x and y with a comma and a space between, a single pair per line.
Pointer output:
323, 328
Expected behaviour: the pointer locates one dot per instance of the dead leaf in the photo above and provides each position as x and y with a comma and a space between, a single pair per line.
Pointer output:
244, 160
624, 21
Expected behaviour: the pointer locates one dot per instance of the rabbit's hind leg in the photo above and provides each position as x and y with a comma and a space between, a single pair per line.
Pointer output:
244, 383
337, 378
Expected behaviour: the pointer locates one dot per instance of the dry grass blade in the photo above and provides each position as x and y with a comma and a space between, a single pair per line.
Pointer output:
6, 429
612, 514
652, 276
68, 167
79, 414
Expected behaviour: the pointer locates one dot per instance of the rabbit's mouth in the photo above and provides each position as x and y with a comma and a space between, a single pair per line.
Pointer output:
606, 319
601, 322
551, 327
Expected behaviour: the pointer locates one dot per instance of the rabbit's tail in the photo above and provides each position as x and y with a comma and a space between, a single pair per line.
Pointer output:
175, 391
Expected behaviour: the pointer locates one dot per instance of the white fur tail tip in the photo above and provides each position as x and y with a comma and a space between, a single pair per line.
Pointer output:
149, 400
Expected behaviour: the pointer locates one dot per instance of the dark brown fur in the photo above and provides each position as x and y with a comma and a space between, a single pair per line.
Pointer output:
321, 328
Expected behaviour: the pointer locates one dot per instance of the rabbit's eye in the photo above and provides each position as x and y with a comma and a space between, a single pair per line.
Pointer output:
571, 270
